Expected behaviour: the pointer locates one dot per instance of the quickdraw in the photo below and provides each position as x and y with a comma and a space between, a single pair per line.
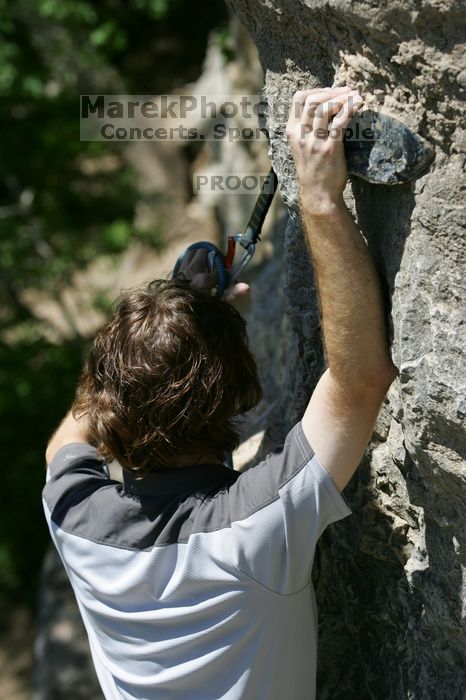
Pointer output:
223, 266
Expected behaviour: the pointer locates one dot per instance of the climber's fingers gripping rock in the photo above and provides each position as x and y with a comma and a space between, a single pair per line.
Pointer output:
316, 126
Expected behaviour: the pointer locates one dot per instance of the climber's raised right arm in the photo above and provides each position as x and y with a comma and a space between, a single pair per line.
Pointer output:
342, 411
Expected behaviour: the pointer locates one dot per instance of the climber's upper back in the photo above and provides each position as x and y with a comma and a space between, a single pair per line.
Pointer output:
196, 582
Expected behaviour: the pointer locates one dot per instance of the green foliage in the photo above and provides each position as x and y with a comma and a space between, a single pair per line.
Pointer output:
36, 382
64, 203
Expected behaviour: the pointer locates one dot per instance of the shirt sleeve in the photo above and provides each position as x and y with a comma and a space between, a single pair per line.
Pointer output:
74, 473
278, 511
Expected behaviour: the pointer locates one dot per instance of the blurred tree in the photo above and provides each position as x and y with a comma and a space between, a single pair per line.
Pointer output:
63, 203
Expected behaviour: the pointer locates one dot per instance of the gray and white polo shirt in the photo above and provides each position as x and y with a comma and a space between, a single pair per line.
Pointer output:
195, 583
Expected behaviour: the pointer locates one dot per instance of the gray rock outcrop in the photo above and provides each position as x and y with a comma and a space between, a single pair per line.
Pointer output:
390, 580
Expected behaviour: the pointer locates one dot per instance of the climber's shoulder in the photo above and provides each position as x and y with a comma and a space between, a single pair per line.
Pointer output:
338, 423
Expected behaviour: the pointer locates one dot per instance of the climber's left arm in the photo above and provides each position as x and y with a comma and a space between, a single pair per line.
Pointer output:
70, 430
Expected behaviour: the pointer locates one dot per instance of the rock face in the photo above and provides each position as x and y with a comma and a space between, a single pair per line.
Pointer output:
390, 580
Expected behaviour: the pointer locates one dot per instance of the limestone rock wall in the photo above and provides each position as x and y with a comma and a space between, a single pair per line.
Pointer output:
390, 580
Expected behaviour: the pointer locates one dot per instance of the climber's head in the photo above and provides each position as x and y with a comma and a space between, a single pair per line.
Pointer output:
166, 378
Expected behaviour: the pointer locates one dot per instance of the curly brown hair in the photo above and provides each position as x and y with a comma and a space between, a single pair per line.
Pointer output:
167, 375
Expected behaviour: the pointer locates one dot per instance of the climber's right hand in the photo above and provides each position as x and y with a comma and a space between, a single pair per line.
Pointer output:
316, 126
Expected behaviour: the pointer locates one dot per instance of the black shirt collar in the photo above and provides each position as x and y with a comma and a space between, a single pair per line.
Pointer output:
180, 480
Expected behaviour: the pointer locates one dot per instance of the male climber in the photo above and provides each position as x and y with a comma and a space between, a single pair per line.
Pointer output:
193, 580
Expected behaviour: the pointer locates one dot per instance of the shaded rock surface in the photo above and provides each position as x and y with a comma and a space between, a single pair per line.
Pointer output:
390, 580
